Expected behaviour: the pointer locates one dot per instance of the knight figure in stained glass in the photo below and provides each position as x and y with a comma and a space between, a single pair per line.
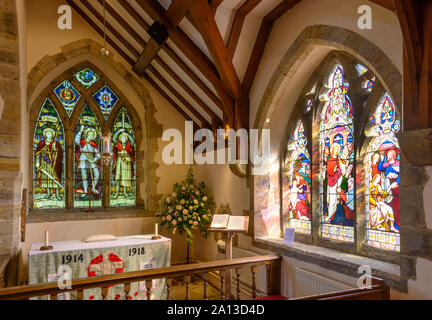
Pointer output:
86, 77
382, 165
68, 96
337, 160
48, 160
87, 161
296, 183
123, 177
106, 100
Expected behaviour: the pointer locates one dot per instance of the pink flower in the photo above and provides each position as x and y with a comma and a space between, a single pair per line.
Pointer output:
185, 211
169, 218
195, 223
174, 222
168, 200
179, 207
192, 186
205, 198
182, 201
195, 201
197, 193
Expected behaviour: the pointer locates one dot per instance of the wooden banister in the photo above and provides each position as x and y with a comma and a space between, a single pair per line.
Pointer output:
23, 292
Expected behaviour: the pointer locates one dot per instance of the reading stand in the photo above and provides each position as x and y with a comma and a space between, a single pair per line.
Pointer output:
230, 233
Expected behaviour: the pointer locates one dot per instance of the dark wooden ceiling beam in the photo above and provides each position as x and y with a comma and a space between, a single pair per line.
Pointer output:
237, 25
261, 41
186, 88
179, 97
112, 29
173, 15
388, 4
193, 53
170, 52
415, 19
203, 19
167, 98
99, 30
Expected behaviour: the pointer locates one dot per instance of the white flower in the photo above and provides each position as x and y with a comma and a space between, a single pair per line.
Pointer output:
168, 200
205, 198
182, 201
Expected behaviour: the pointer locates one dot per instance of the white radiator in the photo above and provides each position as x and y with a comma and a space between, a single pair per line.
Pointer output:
308, 283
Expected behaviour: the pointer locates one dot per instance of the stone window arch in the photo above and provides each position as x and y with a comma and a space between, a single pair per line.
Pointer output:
69, 103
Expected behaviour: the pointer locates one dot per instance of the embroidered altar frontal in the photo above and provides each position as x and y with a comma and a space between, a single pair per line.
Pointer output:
87, 260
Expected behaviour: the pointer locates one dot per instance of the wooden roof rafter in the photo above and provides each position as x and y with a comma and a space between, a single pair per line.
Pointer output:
114, 44
155, 10
173, 15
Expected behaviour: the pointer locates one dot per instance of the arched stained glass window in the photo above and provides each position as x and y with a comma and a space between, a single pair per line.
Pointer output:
337, 158
68, 96
87, 161
48, 160
123, 165
382, 166
297, 183
106, 100
86, 77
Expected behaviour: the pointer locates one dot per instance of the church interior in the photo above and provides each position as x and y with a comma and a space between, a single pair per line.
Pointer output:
216, 149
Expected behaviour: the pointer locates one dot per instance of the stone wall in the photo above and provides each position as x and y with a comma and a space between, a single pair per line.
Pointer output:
10, 130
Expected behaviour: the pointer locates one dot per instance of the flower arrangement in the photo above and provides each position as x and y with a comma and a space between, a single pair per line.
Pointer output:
188, 209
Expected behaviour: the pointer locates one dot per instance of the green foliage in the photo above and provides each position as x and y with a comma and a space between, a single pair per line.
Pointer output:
189, 209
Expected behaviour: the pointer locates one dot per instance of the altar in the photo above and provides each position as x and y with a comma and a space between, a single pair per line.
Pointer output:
126, 254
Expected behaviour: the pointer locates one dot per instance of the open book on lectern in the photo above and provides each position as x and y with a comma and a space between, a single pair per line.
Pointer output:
226, 221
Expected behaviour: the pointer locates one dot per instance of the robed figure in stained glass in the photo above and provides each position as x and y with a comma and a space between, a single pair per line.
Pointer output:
49, 164
296, 182
383, 177
337, 159
48, 159
123, 169
124, 158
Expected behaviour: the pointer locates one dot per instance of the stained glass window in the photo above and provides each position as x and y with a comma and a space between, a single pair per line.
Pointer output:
106, 100
87, 77
337, 159
68, 96
368, 84
87, 161
296, 183
123, 165
382, 166
48, 160
361, 70
308, 105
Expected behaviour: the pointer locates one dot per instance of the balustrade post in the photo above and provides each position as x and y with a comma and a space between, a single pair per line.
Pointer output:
273, 279
238, 283
149, 284
80, 295
187, 280
254, 289
222, 281
169, 284
105, 291
205, 279
127, 290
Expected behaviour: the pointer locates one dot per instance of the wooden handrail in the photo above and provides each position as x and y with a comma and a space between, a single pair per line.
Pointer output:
23, 292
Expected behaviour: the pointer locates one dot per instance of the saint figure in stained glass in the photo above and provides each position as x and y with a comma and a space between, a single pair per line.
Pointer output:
106, 100
87, 77
296, 183
337, 160
382, 177
88, 166
68, 96
123, 173
48, 160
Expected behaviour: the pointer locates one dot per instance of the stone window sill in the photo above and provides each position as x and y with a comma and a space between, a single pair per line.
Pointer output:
344, 263
40, 216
